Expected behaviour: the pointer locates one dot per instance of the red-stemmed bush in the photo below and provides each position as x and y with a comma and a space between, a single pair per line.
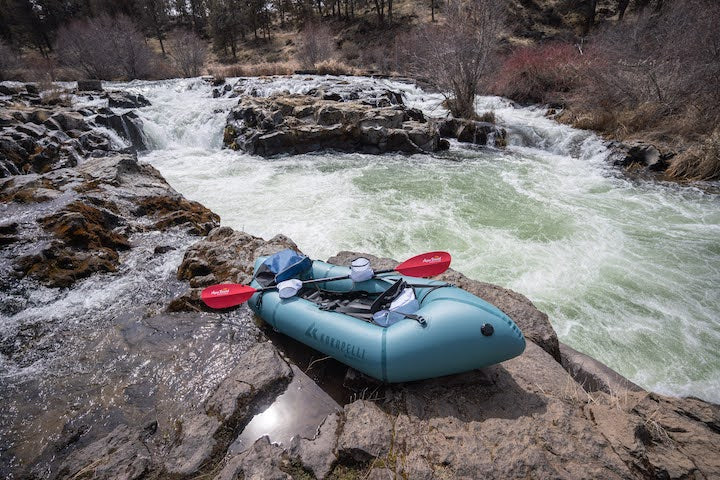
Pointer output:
540, 74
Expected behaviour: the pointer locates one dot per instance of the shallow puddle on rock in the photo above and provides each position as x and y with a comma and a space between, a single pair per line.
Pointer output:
298, 411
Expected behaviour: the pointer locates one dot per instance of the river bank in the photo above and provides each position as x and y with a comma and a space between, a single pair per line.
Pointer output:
112, 370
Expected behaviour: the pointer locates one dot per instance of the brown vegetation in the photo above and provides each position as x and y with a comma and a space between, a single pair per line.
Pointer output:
188, 52
655, 77
107, 48
456, 57
253, 69
700, 162
316, 44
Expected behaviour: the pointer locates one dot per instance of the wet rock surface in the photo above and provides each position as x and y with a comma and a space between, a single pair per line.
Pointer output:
76, 221
42, 131
530, 416
302, 123
261, 375
641, 159
472, 131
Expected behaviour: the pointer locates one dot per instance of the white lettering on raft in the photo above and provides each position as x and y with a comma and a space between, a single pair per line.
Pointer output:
346, 348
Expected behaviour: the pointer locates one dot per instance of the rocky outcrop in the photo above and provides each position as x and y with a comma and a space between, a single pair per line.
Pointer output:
128, 126
472, 131
122, 455
636, 157
531, 416
592, 375
122, 99
301, 123
223, 256
37, 136
91, 210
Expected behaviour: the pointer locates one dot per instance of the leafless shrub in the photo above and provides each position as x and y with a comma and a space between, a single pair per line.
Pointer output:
136, 59
335, 67
539, 73
106, 48
34, 67
316, 44
457, 56
271, 68
488, 117
188, 52
381, 58
8, 60
669, 61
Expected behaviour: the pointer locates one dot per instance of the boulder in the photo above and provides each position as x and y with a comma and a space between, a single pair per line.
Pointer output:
263, 460
640, 155
89, 85
123, 99
593, 375
318, 454
227, 256
472, 131
70, 121
128, 126
260, 373
366, 432
175, 210
305, 123
223, 256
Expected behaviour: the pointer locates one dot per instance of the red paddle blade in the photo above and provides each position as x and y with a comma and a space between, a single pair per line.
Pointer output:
226, 295
425, 265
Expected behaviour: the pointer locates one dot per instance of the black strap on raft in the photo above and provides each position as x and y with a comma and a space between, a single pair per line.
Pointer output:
384, 300
357, 304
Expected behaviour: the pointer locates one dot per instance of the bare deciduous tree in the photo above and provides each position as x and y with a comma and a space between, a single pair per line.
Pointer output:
316, 45
106, 48
134, 57
188, 52
456, 56
83, 45
8, 59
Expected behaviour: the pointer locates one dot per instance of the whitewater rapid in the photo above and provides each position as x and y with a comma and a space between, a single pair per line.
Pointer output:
628, 271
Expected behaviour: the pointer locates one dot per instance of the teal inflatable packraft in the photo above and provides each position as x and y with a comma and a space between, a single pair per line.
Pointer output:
452, 332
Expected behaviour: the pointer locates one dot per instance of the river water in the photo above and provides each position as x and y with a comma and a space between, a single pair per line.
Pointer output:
628, 271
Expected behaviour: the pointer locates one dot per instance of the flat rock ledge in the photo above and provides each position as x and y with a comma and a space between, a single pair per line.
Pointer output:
526, 418
295, 124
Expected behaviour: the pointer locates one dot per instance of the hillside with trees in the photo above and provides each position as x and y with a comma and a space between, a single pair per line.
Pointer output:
633, 70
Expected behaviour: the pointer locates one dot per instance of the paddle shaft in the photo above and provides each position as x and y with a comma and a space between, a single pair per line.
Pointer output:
323, 280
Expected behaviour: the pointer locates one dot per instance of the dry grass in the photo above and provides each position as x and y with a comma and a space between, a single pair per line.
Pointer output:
254, 70
335, 67
699, 162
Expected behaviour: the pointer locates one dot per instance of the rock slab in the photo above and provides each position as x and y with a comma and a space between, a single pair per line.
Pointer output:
293, 124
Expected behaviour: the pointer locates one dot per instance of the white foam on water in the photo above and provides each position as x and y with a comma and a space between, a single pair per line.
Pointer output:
628, 271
